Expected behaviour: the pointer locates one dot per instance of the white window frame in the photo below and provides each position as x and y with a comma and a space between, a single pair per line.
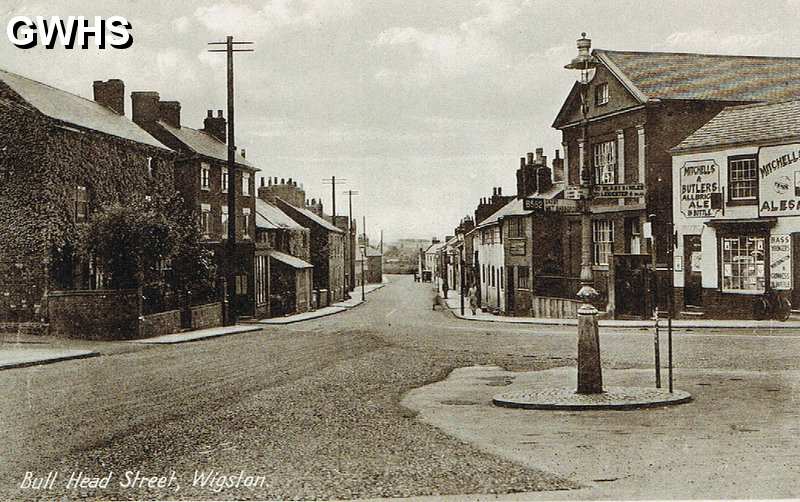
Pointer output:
604, 155
205, 176
601, 94
739, 165
205, 219
246, 184
741, 263
224, 180
223, 218
602, 242
246, 222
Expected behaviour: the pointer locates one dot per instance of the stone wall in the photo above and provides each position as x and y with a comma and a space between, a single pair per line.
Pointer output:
94, 315
206, 316
163, 323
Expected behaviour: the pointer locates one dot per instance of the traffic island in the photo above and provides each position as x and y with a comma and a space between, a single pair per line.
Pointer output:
612, 398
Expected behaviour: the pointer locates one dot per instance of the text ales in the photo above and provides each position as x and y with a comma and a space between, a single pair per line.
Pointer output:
700, 189
779, 180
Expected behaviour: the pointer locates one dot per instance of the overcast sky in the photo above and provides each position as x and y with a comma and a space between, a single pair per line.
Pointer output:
423, 105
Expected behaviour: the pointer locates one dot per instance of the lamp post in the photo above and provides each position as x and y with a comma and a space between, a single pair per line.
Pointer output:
590, 376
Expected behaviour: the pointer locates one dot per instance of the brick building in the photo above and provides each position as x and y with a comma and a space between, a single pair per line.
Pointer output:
640, 105
289, 274
201, 175
62, 158
327, 242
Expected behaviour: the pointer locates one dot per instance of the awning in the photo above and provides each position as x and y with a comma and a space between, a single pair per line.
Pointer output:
743, 224
290, 260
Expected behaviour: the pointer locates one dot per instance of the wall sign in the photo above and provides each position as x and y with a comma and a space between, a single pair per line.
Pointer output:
779, 180
780, 261
550, 205
516, 247
699, 183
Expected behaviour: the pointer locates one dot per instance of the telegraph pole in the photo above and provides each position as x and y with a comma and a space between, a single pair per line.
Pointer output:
332, 181
352, 241
230, 272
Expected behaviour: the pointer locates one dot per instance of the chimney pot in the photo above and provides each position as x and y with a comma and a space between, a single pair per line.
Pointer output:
558, 154
219, 113
244, 153
530, 158
262, 182
499, 191
283, 181
522, 162
210, 114
216, 127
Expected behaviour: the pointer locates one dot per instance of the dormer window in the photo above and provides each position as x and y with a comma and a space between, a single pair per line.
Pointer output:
205, 176
601, 94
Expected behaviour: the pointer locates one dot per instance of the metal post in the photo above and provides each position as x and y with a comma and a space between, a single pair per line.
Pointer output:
670, 266
363, 278
657, 349
461, 277
654, 287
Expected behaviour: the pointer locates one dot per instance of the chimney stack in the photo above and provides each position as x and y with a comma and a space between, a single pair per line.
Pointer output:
170, 112
216, 126
558, 167
110, 94
539, 153
145, 107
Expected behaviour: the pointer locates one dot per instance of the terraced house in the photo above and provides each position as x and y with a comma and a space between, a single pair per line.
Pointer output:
63, 157
641, 104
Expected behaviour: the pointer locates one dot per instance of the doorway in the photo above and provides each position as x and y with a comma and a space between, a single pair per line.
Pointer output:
510, 290
692, 271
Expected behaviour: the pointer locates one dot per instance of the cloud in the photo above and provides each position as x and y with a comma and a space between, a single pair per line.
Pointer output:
232, 17
709, 41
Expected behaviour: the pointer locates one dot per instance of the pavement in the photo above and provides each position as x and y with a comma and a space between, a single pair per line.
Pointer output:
454, 304
335, 308
198, 334
320, 409
19, 357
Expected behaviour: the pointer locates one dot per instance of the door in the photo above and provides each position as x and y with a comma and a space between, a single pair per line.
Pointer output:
510, 289
692, 271
630, 285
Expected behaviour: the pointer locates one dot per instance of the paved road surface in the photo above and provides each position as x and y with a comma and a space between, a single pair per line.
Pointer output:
312, 407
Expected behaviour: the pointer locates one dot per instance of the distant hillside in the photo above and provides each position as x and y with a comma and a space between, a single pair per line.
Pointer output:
400, 257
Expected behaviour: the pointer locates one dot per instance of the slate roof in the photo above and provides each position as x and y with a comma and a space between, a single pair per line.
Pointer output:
271, 217
670, 75
204, 143
316, 219
73, 109
290, 260
756, 123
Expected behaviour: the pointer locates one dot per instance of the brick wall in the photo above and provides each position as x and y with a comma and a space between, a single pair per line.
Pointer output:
206, 316
94, 315
163, 323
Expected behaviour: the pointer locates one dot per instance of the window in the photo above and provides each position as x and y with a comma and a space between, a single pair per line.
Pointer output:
602, 240
224, 183
261, 280
523, 277
496, 235
743, 264
224, 221
245, 183
516, 227
742, 179
605, 162
81, 204
601, 94
246, 222
205, 219
205, 176
150, 167
241, 284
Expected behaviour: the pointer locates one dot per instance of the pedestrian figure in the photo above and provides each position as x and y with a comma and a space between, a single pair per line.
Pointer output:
445, 287
473, 299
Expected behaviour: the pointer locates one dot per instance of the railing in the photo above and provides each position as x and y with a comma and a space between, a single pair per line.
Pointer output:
563, 286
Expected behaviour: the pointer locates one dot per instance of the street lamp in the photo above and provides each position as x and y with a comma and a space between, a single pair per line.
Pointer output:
590, 376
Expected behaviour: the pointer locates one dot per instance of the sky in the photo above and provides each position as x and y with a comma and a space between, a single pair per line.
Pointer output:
421, 105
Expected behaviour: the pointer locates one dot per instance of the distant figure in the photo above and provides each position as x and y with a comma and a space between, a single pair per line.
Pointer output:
445, 287
473, 299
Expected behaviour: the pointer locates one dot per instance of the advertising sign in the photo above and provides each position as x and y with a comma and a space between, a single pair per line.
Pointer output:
780, 261
699, 184
576, 192
779, 180
516, 247
617, 190
550, 205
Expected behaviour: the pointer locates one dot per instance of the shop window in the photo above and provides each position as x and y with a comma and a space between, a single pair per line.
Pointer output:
602, 241
205, 176
601, 94
605, 162
224, 181
743, 264
742, 179
523, 277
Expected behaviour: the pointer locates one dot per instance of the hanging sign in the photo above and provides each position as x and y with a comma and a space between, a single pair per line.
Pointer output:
779, 180
699, 185
780, 261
